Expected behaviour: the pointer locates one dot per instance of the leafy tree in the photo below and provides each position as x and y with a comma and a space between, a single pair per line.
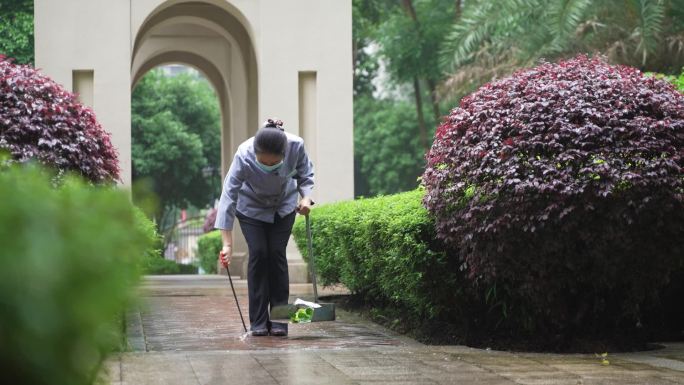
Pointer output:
176, 136
195, 104
388, 154
171, 157
406, 36
391, 124
410, 38
366, 16
16, 30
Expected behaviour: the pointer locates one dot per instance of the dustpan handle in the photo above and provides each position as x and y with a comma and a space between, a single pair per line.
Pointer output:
312, 262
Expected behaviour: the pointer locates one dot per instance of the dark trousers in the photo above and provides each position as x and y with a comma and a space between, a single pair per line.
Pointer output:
267, 276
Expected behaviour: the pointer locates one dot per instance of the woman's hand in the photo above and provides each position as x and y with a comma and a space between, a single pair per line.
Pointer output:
227, 251
225, 255
304, 206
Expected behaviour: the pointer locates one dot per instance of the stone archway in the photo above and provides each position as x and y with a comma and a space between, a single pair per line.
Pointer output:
216, 42
206, 67
209, 38
286, 58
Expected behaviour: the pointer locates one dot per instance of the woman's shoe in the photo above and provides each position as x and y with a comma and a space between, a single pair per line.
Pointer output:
279, 332
260, 332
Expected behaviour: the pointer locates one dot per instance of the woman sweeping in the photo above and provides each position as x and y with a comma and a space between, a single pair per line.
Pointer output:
260, 189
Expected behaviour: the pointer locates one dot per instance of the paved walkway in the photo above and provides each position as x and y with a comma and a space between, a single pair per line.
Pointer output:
189, 332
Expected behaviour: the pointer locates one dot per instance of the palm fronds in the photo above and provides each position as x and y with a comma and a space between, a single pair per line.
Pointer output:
474, 28
565, 18
644, 33
649, 28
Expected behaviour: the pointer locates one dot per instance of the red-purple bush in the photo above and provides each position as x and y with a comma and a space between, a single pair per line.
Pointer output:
562, 186
40, 120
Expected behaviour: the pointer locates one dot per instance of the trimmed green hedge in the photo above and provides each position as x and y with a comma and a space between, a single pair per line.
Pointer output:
383, 249
161, 266
70, 261
208, 247
187, 269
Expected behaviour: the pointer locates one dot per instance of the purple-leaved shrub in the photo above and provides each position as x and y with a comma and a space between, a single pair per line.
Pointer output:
561, 189
41, 120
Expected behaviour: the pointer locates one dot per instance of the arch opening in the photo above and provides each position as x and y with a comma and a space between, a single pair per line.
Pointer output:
215, 38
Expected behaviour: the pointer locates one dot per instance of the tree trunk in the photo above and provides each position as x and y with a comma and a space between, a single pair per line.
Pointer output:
166, 211
432, 87
422, 127
458, 10
355, 45
408, 6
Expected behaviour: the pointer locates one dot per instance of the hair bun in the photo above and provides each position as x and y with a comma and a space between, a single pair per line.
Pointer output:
275, 123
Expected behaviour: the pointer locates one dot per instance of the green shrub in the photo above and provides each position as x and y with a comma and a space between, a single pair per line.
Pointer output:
159, 265
147, 227
208, 247
152, 261
384, 250
70, 260
187, 269
678, 81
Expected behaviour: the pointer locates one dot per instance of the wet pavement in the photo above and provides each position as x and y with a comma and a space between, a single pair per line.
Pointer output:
186, 314
188, 331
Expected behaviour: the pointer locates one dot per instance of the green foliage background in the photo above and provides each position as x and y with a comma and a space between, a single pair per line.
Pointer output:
387, 152
431, 53
175, 136
16, 30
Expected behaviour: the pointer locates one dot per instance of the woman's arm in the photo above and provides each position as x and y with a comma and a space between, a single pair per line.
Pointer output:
225, 215
227, 237
305, 181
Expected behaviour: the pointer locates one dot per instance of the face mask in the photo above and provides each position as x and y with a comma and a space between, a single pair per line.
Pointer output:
269, 168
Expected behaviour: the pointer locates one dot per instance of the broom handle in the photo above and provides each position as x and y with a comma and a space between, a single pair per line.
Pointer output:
312, 262
236, 300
